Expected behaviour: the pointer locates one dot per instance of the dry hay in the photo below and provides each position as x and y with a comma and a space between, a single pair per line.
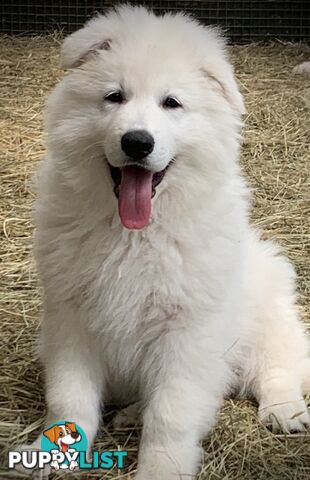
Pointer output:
276, 161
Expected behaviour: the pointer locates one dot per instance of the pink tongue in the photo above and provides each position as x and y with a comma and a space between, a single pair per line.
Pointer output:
134, 201
64, 446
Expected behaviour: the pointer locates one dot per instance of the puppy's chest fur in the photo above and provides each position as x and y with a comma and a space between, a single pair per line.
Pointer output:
130, 277
121, 279
132, 291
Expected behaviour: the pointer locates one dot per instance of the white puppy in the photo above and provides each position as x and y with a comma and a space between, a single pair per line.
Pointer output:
156, 289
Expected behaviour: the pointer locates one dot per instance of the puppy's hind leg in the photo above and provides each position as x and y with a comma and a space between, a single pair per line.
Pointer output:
277, 347
129, 416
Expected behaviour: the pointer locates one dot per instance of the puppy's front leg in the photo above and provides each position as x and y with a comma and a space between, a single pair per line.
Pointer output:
179, 412
74, 375
74, 381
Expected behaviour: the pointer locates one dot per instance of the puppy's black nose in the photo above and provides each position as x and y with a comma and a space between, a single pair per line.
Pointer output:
75, 434
137, 144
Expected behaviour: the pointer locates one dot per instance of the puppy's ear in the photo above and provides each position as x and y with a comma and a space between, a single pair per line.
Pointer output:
224, 81
217, 68
71, 426
73, 57
83, 44
51, 434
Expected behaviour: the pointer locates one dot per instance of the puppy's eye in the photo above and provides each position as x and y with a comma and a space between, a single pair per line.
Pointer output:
115, 97
171, 102
61, 434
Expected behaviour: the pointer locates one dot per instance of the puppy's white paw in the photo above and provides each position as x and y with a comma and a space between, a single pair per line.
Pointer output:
127, 417
285, 411
151, 474
174, 461
160, 473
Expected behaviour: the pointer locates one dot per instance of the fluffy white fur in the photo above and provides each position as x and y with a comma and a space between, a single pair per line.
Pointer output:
195, 305
302, 68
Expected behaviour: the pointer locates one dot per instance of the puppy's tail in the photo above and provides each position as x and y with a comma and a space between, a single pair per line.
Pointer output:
306, 378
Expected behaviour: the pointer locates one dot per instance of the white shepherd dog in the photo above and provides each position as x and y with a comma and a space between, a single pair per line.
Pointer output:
157, 292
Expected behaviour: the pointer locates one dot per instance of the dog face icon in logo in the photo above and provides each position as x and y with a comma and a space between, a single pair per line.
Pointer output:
63, 435
69, 440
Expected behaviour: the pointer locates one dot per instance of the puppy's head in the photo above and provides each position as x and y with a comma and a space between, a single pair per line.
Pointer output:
146, 95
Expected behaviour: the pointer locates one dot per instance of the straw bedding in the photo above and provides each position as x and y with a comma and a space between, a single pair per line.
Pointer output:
275, 158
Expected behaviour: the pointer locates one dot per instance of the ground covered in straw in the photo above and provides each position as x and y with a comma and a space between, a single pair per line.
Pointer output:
276, 161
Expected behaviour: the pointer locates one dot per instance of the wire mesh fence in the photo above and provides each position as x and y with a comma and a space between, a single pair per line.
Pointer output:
243, 20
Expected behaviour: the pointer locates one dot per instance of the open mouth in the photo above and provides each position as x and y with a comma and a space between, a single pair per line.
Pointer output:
64, 446
134, 186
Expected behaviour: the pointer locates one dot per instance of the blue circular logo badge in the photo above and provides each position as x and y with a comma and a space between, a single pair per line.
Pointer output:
65, 440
